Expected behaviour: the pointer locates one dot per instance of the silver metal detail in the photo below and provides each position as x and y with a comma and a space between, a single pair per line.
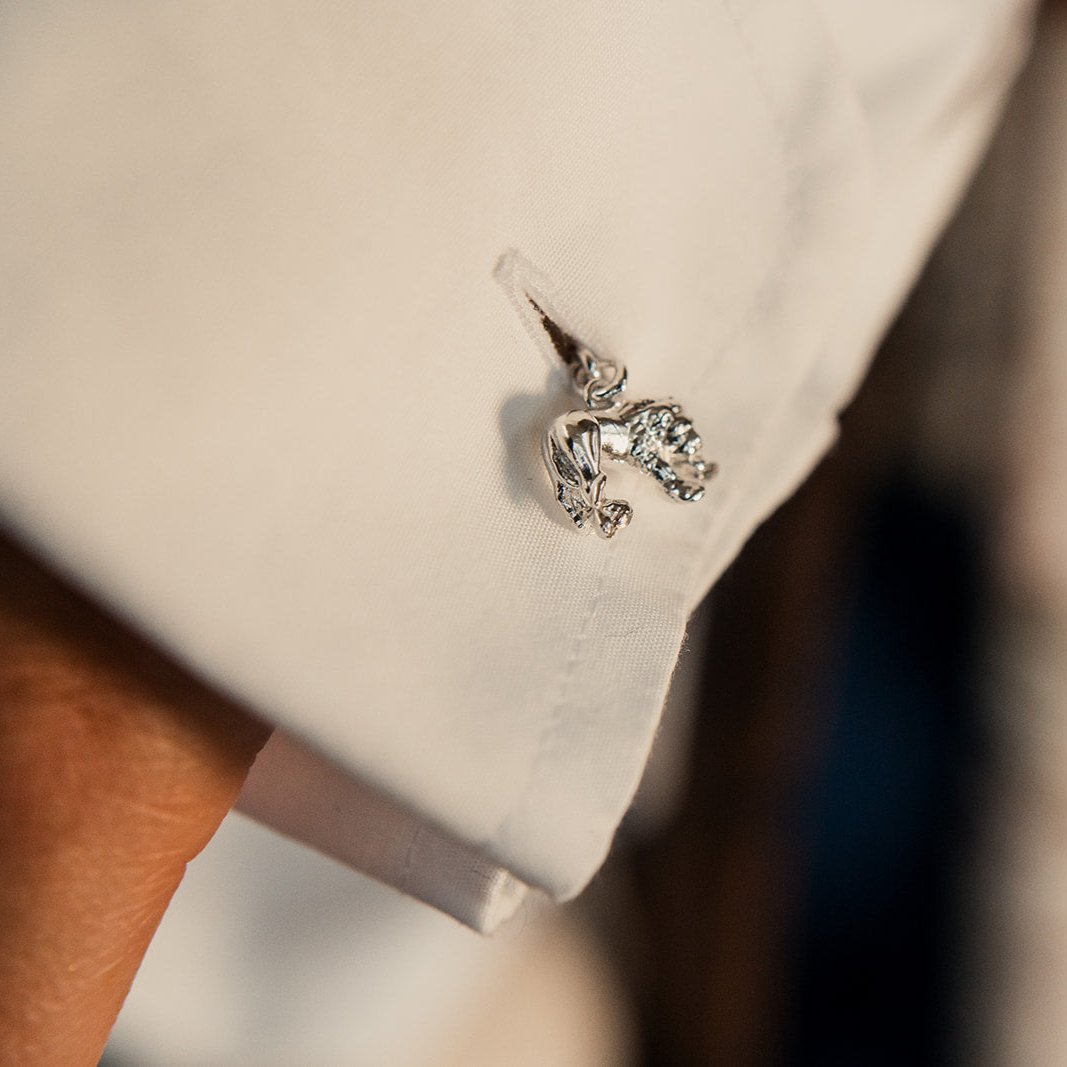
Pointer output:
655, 436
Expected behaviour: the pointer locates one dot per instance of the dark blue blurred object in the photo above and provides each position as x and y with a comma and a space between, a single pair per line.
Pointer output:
883, 820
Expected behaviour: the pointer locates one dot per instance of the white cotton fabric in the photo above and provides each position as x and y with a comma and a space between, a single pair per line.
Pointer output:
267, 394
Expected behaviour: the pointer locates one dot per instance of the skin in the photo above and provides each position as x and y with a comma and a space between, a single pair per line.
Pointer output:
116, 767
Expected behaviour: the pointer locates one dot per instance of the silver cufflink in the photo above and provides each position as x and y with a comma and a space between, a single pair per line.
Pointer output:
655, 436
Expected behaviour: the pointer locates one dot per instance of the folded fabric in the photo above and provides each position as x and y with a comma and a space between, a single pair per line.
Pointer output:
273, 389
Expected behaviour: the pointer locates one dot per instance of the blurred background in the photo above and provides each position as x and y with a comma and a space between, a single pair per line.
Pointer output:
851, 847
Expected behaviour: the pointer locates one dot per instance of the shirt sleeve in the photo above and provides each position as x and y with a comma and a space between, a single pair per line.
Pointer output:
274, 389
